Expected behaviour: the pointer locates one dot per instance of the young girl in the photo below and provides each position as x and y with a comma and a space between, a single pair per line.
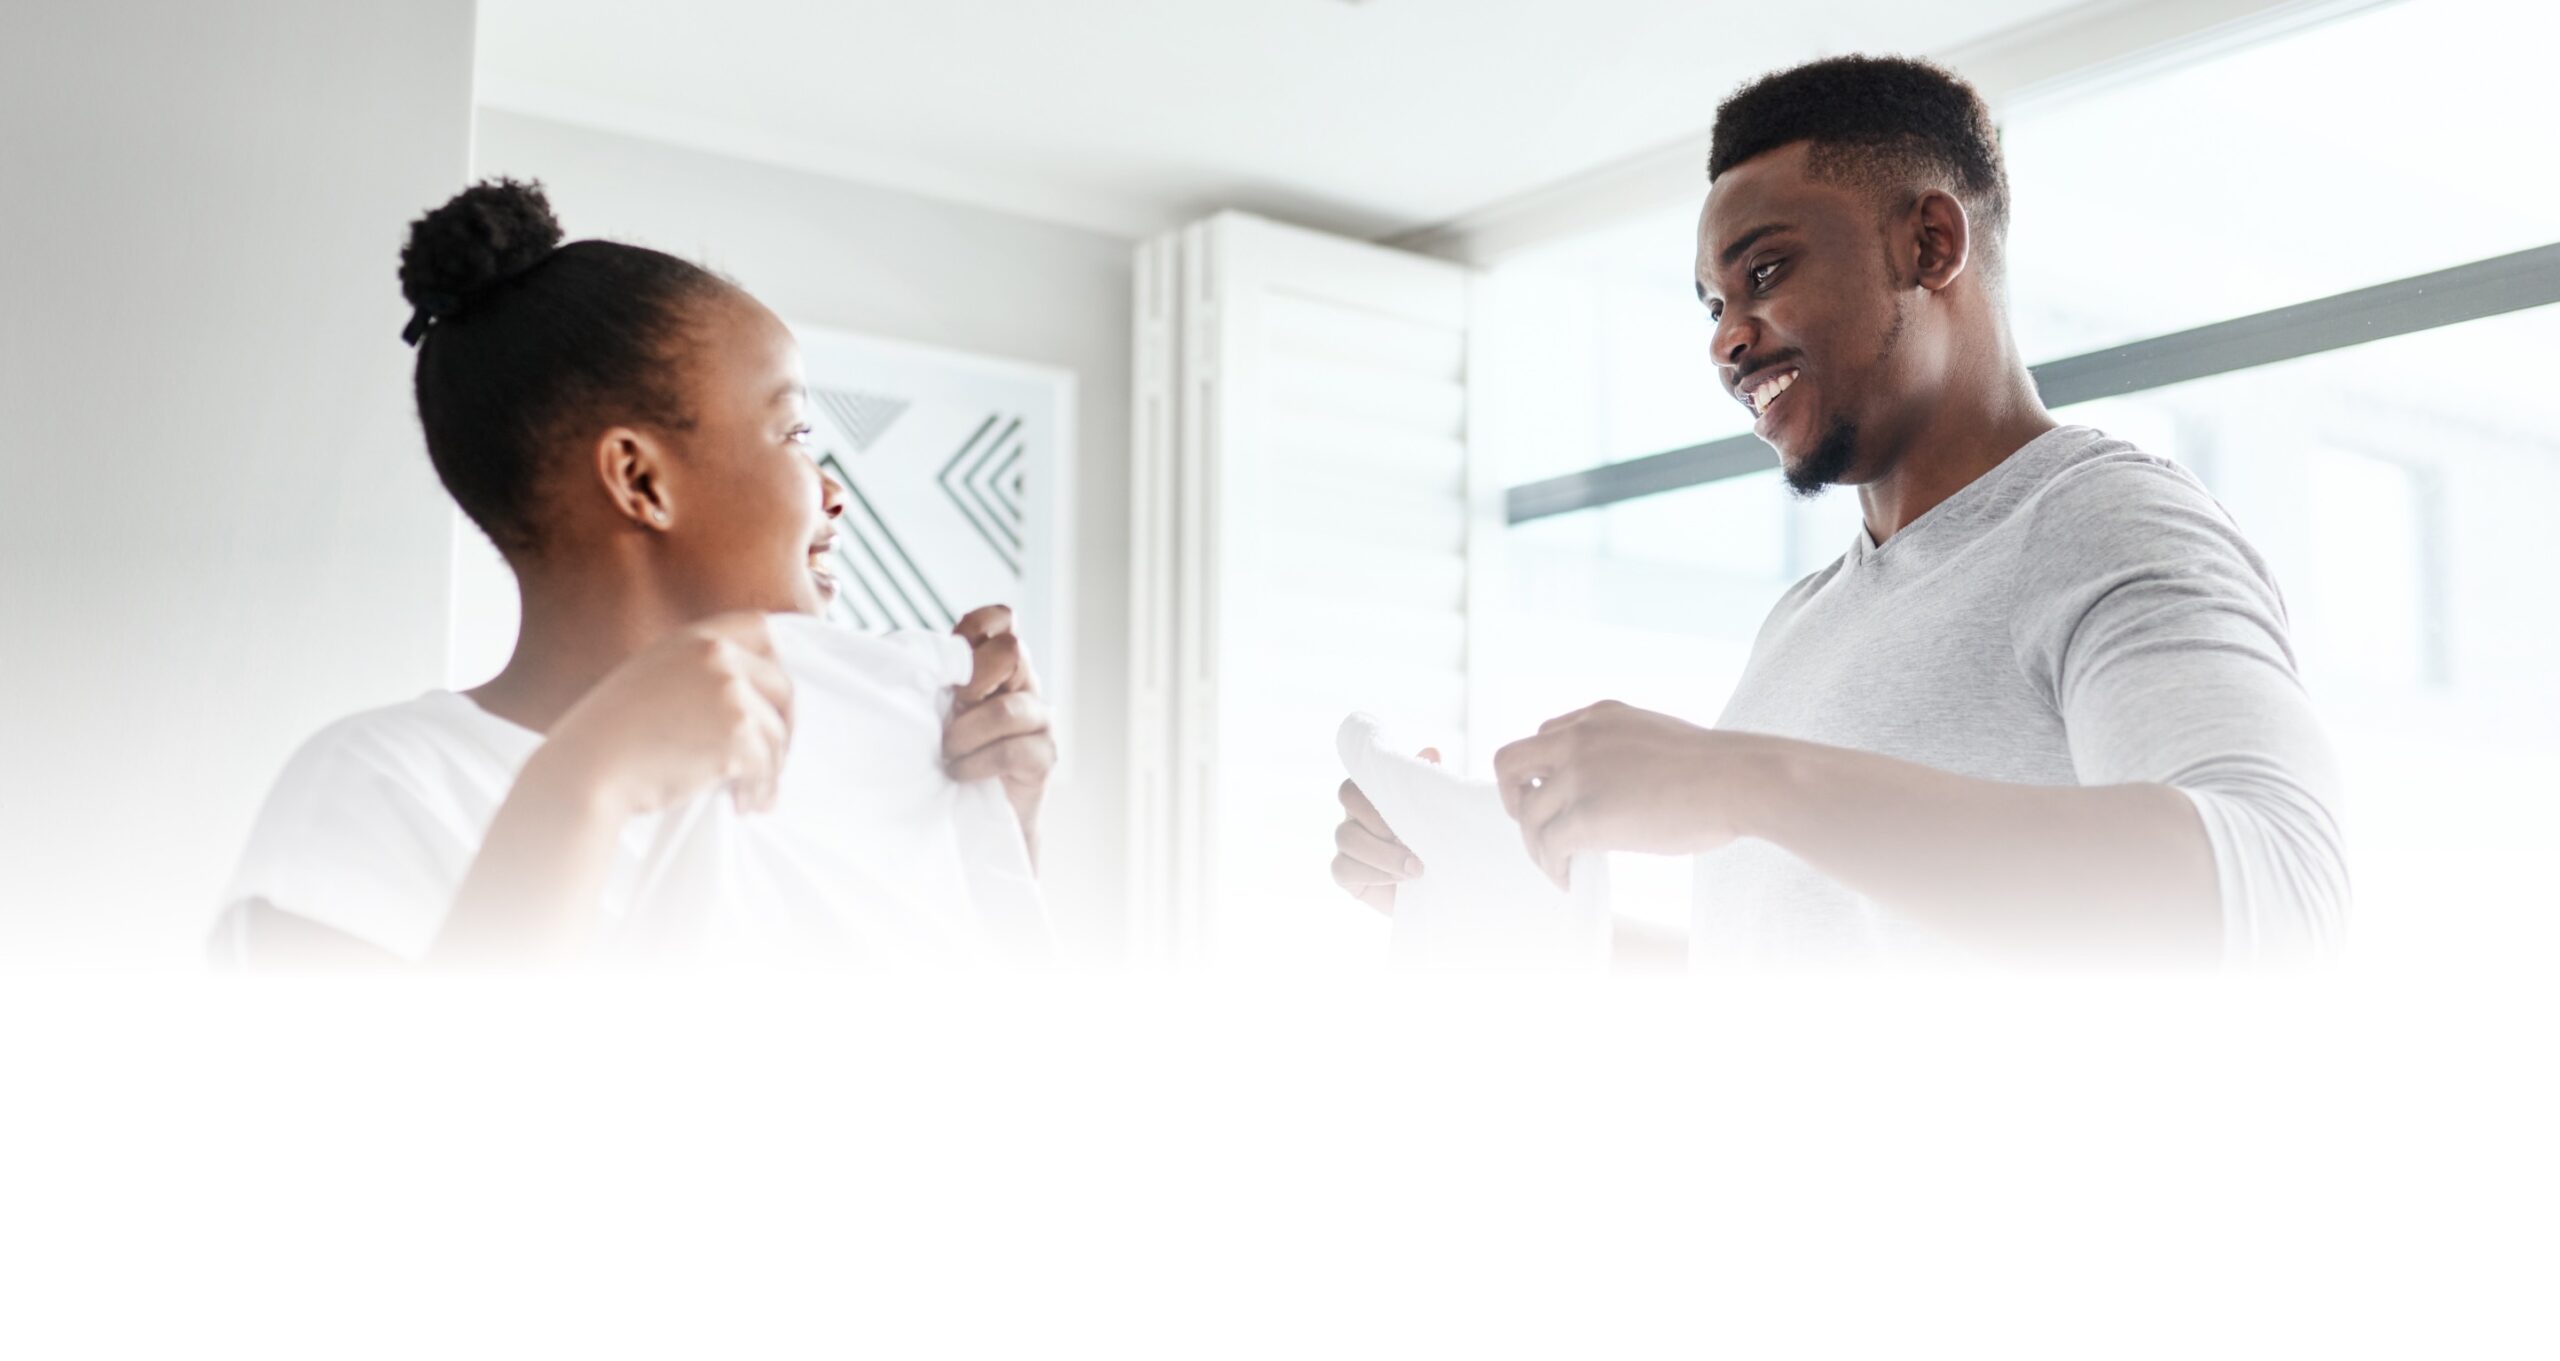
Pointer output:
629, 430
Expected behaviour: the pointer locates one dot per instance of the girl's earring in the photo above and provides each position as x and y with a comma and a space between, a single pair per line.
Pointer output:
659, 514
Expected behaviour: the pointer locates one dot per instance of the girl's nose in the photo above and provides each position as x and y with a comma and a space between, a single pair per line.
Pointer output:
830, 494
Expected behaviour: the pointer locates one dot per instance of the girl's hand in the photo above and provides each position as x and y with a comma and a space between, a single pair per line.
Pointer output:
708, 705
999, 726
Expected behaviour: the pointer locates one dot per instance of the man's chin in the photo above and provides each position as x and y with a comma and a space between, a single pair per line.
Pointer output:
1826, 464
1803, 475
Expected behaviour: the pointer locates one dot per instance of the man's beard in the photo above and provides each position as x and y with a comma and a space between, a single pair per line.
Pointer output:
1831, 460
1828, 463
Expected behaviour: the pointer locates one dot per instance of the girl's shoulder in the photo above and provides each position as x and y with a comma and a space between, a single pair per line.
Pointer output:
375, 817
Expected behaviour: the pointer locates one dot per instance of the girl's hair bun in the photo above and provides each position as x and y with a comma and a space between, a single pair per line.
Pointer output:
490, 232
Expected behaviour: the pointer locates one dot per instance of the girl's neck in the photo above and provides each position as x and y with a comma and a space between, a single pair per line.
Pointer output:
570, 634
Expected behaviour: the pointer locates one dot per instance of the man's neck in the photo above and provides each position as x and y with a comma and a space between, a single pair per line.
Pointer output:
1959, 440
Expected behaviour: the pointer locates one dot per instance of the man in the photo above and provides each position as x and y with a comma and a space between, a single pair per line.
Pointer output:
2045, 703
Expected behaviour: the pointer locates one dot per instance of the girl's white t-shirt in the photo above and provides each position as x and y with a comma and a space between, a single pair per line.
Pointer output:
871, 855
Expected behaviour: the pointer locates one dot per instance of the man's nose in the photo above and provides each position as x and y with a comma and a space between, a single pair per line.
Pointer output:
1732, 338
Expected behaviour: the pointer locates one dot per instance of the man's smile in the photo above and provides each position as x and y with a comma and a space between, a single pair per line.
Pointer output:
1761, 391
1766, 390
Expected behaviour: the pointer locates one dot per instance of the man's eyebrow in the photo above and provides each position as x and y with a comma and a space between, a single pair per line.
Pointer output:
1734, 251
789, 389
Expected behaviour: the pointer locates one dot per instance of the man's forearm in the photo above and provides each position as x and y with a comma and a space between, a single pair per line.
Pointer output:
2112, 871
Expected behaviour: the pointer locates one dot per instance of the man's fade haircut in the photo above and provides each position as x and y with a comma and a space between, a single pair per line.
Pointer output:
1883, 123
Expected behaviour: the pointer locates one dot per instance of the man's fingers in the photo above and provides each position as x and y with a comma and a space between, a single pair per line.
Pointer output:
1556, 843
1362, 811
1515, 765
1568, 720
1382, 897
1506, 771
1539, 810
1536, 806
1392, 859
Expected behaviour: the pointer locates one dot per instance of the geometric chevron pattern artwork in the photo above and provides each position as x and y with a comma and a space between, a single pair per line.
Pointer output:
951, 466
863, 417
989, 490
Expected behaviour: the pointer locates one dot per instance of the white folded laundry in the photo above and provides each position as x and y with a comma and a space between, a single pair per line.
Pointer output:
1480, 899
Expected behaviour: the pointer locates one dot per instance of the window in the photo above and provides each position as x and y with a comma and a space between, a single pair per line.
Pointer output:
2390, 142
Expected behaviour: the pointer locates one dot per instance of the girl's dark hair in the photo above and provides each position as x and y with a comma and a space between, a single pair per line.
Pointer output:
524, 343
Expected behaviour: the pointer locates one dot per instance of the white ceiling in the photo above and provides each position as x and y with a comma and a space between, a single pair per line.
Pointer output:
1128, 116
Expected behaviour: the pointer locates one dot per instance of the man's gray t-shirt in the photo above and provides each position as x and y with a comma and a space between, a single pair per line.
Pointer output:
2084, 613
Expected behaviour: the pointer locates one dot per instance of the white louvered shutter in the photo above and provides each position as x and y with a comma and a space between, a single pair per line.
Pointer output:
1303, 521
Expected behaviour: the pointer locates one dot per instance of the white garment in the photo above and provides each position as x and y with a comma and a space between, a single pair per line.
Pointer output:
1480, 899
871, 853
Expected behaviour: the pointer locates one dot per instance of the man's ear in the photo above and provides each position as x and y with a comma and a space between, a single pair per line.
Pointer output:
1943, 234
632, 467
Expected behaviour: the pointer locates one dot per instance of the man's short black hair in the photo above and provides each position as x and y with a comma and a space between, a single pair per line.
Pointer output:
1885, 122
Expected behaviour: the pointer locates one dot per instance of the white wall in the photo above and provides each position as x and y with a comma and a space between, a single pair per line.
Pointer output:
839, 254
218, 528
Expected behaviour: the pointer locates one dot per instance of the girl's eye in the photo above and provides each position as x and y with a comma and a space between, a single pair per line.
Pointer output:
800, 434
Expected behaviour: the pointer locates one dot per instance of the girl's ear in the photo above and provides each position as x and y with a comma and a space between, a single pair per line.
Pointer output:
631, 466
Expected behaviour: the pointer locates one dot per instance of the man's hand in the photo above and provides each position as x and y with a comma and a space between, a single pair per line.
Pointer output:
999, 725
1368, 861
1617, 778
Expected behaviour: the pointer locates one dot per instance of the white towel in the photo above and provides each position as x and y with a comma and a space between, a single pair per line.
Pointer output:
1480, 899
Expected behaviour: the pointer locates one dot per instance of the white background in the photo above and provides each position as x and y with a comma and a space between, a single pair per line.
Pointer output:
1151, 1167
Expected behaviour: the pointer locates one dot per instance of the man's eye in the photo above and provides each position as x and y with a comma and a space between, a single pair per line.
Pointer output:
800, 434
1715, 311
1760, 272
